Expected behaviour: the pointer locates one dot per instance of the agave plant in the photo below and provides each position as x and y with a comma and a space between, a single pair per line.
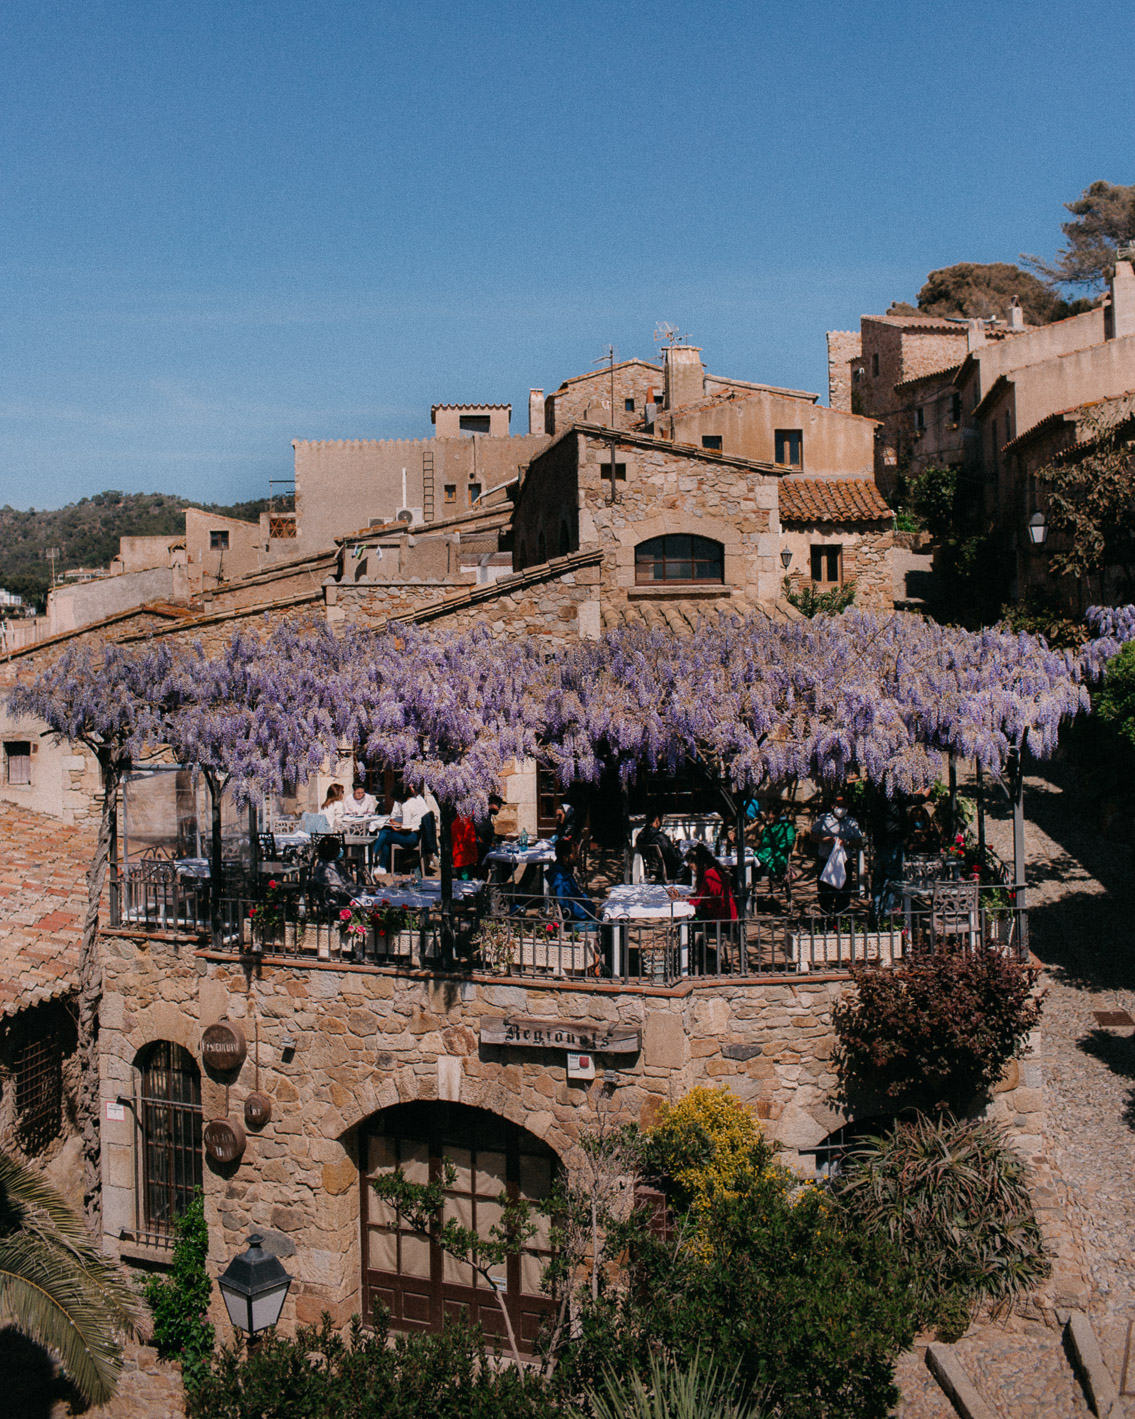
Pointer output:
56, 1288
954, 1196
704, 1390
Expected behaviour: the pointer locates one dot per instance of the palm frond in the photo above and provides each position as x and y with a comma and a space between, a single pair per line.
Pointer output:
56, 1287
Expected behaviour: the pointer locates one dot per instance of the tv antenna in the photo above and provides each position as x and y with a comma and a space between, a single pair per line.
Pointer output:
52, 554
609, 358
668, 335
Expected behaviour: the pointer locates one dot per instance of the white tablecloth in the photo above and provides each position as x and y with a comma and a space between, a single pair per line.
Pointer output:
296, 839
421, 898
644, 901
193, 867
513, 855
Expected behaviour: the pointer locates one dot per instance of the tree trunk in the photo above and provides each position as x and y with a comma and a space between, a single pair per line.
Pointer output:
90, 999
445, 852
216, 859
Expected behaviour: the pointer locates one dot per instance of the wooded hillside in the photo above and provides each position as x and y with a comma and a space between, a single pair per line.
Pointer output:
87, 533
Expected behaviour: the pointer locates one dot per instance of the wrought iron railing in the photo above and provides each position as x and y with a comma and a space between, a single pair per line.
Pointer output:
927, 919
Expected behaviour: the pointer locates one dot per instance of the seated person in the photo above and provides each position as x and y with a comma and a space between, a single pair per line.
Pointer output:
774, 846
337, 889
575, 904
412, 823
713, 897
486, 827
651, 836
565, 823
466, 857
361, 804
333, 807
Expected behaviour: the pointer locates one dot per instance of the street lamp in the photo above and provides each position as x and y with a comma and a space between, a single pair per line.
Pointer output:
786, 558
1038, 529
253, 1288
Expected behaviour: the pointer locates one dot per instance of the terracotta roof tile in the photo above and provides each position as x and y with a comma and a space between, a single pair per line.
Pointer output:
805, 499
43, 883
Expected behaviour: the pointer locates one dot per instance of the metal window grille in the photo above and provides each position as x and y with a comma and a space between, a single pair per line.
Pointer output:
170, 1118
38, 1070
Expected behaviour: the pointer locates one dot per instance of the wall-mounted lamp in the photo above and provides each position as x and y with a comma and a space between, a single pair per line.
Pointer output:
1038, 529
786, 558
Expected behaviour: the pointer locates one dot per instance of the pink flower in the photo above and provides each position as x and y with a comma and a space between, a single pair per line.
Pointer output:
960, 840
345, 914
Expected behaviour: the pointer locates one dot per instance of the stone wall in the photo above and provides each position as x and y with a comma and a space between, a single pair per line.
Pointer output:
366, 1038
843, 347
666, 490
589, 397
866, 558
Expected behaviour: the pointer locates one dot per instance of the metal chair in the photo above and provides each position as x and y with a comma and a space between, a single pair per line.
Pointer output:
953, 911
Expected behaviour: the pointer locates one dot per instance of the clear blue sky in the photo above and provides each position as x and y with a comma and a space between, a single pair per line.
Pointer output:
229, 224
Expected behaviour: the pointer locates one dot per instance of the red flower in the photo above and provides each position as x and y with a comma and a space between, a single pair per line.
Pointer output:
551, 926
271, 884
345, 915
251, 913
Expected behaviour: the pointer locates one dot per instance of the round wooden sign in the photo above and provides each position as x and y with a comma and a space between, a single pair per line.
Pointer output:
223, 1046
257, 1109
224, 1140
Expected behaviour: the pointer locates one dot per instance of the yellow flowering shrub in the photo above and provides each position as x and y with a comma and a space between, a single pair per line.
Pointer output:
708, 1144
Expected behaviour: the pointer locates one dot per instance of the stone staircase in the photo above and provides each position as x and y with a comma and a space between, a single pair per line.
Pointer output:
1020, 1369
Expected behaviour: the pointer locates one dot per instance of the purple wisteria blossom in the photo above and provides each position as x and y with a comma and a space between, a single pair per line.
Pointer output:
105, 700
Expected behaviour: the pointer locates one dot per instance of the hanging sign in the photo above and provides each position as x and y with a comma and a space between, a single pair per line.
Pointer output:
224, 1140
223, 1046
529, 1031
257, 1109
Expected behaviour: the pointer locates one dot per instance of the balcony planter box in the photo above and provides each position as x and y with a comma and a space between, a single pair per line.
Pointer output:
838, 950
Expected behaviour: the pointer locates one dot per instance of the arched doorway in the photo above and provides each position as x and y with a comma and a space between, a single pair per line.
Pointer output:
408, 1273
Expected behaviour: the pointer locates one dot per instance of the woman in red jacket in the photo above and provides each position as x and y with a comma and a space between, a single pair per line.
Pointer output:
465, 852
712, 899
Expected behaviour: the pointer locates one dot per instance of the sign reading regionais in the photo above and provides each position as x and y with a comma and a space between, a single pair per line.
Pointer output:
528, 1031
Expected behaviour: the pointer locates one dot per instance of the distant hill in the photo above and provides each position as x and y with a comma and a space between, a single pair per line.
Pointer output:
87, 533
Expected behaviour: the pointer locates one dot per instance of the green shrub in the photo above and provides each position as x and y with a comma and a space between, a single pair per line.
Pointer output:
953, 1197
811, 602
321, 1375
766, 1278
180, 1302
704, 1390
1115, 702
933, 1033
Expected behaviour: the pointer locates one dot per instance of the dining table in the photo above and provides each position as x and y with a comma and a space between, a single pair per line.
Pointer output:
646, 902
416, 896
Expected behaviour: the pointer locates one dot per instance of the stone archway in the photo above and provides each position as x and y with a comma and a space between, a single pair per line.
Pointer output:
408, 1273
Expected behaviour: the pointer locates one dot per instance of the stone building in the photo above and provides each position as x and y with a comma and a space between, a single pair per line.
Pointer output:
43, 889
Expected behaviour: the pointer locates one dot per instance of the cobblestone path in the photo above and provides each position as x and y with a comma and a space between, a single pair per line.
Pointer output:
1082, 930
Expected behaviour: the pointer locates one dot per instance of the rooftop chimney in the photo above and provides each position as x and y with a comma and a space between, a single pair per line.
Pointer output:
975, 334
685, 378
1016, 315
1119, 318
536, 411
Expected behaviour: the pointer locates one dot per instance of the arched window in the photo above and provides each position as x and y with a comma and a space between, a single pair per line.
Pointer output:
679, 557
169, 1116
409, 1273
828, 1155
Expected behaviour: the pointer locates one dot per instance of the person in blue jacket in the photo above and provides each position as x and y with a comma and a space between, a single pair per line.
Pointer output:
574, 901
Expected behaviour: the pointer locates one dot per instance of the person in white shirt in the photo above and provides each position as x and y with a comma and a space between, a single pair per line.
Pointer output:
412, 822
361, 804
333, 806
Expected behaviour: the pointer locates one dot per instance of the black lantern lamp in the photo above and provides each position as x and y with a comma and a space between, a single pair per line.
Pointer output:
253, 1287
1038, 529
786, 558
